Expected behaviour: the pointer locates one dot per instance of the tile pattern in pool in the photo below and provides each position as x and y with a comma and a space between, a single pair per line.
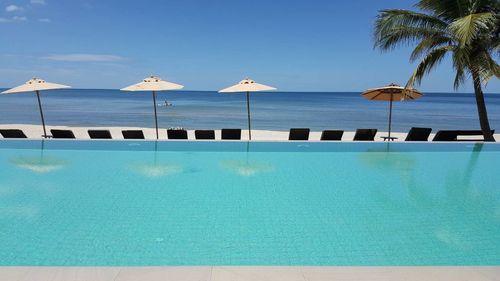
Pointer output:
208, 203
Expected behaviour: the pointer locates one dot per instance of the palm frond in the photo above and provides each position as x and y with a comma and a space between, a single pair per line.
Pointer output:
445, 9
450, 10
460, 78
406, 25
427, 64
485, 66
480, 6
409, 18
460, 60
470, 27
495, 44
429, 43
404, 35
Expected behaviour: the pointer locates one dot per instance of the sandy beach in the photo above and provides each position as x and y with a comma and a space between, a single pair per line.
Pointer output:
36, 131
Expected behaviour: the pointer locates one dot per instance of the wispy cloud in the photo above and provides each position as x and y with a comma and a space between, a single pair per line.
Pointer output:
38, 2
19, 18
13, 8
13, 19
84, 58
19, 9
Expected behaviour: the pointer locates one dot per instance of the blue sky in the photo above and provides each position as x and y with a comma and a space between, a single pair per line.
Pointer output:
307, 45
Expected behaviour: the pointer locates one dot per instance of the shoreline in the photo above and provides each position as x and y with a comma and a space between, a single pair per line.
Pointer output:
36, 131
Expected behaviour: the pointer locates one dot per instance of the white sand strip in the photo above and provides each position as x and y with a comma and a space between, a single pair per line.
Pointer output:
251, 273
36, 131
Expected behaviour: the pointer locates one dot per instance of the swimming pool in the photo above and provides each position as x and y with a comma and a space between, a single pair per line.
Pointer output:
91, 203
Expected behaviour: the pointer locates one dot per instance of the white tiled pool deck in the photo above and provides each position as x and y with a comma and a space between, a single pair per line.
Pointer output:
249, 273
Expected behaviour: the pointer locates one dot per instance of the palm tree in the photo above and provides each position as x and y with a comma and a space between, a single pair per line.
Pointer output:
468, 30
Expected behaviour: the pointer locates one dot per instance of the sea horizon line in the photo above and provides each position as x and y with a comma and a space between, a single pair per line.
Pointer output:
277, 91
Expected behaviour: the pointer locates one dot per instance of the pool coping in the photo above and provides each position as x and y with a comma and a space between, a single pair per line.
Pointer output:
243, 141
251, 273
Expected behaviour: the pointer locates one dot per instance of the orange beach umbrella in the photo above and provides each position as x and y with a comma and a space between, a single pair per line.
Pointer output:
391, 93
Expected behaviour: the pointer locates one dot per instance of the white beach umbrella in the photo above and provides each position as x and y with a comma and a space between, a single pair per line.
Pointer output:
36, 85
153, 84
247, 86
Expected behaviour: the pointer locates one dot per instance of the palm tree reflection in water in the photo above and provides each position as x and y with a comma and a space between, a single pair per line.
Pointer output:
461, 217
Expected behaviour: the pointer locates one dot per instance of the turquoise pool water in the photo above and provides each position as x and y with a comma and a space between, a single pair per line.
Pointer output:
183, 203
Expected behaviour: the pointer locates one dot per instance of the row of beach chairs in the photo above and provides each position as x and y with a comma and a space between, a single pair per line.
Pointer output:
295, 134
173, 134
415, 134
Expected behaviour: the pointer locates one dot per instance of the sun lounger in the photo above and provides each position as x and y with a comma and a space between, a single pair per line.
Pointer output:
418, 134
204, 134
332, 135
12, 134
62, 134
177, 134
99, 134
231, 134
365, 134
453, 135
445, 136
133, 134
299, 134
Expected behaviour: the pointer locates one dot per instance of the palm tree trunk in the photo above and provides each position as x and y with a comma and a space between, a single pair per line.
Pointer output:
481, 109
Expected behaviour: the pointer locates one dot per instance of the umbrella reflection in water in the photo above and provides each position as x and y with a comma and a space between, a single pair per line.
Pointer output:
395, 186
389, 160
39, 164
247, 167
155, 169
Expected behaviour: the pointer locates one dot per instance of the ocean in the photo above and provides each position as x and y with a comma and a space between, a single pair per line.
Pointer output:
270, 111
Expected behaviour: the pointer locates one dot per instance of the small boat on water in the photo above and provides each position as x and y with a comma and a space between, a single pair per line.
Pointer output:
164, 104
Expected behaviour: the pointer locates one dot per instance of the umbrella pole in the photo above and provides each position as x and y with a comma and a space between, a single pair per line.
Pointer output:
156, 150
156, 117
390, 116
41, 113
248, 113
41, 150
